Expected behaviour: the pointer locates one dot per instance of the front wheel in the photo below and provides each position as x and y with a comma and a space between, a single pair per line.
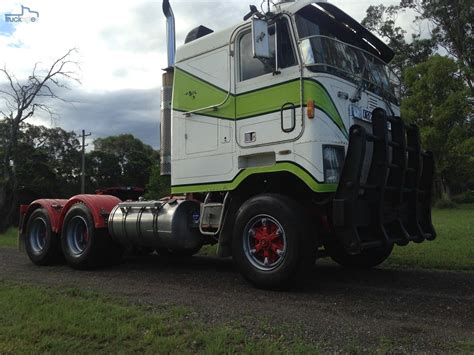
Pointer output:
272, 245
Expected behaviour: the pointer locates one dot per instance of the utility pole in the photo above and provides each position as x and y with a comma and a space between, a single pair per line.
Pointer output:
83, 169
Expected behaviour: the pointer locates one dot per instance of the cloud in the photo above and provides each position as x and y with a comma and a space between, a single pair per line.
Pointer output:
110, 113
122, 48
118, 36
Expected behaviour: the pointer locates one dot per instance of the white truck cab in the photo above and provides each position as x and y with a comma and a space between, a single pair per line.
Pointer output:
234, 114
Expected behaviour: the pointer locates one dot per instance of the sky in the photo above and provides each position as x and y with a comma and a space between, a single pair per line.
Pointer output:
121, 52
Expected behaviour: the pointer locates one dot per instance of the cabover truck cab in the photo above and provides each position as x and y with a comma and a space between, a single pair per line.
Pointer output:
284, 142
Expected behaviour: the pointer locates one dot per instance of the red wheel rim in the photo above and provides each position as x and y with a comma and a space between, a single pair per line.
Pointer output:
265, 242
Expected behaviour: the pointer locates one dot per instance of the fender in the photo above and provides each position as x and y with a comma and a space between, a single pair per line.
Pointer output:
52, 206
99, 206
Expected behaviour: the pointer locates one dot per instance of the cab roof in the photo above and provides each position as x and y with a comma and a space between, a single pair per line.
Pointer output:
221, 38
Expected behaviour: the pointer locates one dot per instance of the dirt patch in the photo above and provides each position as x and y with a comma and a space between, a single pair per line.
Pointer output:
405, 310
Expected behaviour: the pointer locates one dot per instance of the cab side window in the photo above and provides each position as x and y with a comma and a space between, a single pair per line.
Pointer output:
286, 53
280, 38
251, 67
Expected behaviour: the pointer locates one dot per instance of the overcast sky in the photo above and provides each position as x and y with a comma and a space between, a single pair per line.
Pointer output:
122, 49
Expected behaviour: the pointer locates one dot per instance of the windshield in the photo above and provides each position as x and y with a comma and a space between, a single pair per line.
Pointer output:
330, 46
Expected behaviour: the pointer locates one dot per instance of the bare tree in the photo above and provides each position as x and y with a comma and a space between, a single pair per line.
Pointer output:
19, 101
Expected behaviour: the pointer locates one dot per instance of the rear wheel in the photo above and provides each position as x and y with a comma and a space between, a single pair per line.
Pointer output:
367, 259
83, 245
42, 245
272, 245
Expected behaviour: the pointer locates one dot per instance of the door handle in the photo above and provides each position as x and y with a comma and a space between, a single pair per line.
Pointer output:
288, 106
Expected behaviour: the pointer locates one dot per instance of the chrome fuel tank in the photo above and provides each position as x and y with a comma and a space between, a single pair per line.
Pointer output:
170, 224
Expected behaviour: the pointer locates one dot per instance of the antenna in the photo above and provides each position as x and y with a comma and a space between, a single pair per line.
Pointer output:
262, 4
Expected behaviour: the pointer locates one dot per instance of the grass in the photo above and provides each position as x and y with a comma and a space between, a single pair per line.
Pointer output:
43, 319
10, 238
453, 248
49, 320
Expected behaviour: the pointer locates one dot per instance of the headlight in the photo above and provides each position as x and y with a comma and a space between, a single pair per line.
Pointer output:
333, 159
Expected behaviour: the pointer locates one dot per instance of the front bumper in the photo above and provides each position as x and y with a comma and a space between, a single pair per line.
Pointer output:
391, 202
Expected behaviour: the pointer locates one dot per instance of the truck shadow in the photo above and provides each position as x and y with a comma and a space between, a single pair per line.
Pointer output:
324, 278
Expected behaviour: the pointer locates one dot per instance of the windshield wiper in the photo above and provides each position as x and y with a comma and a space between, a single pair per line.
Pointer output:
356, 97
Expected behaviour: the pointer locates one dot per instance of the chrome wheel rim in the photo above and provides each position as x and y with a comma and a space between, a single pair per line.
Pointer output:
264, 242
78, 237
38, 235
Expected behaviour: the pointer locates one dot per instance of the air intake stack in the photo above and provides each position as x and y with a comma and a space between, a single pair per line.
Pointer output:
167, 91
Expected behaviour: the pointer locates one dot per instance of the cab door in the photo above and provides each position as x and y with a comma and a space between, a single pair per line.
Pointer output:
268, 92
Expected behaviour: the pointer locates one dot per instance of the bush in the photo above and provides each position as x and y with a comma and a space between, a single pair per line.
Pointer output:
467, 197
445, 203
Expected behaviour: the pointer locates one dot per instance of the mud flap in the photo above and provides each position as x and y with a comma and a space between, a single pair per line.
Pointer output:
384, 194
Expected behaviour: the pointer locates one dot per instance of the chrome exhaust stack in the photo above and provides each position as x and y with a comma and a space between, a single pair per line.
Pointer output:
170, 33
167, 92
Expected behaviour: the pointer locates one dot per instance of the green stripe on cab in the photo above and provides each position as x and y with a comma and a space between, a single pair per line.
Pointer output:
191, 93
279, 167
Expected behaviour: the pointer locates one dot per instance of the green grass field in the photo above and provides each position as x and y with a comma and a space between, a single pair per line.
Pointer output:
10, 238
452, 250
48, 320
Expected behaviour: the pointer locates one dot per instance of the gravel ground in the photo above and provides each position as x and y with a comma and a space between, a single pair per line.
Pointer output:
402, 310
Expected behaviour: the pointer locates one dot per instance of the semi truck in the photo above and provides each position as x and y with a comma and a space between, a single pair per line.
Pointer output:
283, 138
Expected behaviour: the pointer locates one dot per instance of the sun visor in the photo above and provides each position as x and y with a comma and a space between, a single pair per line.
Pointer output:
386, 54
197, 33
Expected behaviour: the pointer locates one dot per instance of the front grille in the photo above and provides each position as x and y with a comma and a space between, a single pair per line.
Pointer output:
372, 103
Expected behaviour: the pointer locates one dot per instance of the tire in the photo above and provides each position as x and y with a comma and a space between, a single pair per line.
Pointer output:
272, 245
367, 259
173, 253
84, 246
42, 246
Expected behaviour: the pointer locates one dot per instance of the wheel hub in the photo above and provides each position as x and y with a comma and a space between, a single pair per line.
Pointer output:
38, 235
265, 245
77, 235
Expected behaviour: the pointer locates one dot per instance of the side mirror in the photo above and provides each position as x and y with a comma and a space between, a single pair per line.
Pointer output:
260, 39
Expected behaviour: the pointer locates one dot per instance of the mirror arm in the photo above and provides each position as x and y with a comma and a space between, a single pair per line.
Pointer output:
253, 10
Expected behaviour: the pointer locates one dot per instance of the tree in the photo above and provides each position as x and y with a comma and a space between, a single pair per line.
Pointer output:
437, 101
102, 170
382, 20
450, 27
436, 90
48, 162
451, 22
125, 160
19, 101
62, 150
158, 186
